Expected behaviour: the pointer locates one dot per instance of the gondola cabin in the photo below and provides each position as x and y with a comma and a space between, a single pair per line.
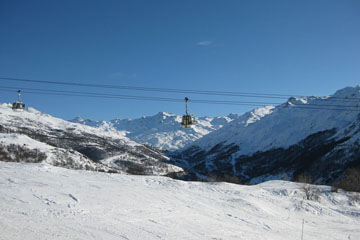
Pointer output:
18, 105
187, 120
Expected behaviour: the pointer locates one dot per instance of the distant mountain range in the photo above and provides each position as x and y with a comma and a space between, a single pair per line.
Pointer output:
162, 130
316, 137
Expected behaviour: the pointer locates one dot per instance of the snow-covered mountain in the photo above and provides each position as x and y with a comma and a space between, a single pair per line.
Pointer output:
36, 137
39, 201
318, 136
162, 130
315, 136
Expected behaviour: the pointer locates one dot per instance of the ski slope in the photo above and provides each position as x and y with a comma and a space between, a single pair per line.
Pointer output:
40, 201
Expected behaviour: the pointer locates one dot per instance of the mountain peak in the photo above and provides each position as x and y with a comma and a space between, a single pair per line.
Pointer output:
348, 92
297, 100
164, 114
77, 119
233, 115
162, 130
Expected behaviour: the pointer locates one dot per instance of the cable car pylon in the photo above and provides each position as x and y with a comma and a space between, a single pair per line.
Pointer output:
188, 120
18, 105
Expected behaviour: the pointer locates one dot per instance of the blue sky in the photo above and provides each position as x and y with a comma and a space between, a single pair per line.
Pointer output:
287, 47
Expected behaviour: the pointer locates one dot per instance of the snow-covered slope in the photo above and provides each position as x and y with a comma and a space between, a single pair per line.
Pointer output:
162, 130
45, 202
286, 124
21, 148
302, 129
75, 145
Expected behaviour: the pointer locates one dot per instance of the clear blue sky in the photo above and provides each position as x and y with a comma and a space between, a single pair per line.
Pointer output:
307, 47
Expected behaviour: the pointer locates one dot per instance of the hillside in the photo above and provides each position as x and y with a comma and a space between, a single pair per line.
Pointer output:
34, 136
315, 136
45, 202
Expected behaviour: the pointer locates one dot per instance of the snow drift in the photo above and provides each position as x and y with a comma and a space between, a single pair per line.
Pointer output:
45, 202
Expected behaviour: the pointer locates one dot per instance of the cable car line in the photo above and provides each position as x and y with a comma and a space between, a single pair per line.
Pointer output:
141, 97
172, 90
145, 98
108, 95
114, 96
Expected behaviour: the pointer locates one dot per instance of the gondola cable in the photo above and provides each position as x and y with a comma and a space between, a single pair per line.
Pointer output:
172, 90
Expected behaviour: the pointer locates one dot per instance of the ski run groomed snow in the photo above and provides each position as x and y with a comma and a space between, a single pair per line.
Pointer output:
40, 201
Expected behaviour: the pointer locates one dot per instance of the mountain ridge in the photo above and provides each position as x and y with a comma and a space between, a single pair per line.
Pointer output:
75, 145
315, 136
162, 130
293, 138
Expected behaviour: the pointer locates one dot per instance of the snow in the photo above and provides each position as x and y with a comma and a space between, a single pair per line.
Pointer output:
54, 155
33, 123
162, 130
282, 126
38, 201
23, 140
157, 168
34, 119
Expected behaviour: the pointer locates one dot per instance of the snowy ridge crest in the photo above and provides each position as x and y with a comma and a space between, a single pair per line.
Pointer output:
281, 126
162, 130
313, 136
37, 137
